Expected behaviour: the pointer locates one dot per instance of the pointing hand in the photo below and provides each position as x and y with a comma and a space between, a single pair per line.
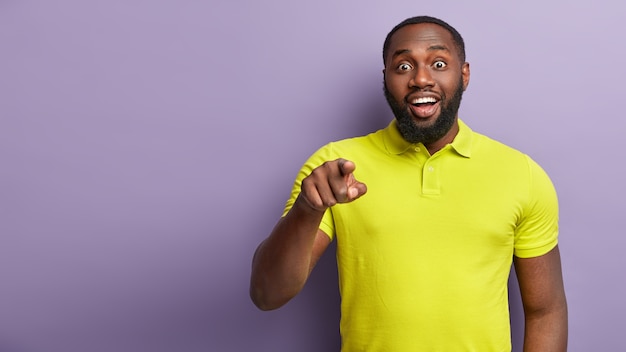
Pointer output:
331, 183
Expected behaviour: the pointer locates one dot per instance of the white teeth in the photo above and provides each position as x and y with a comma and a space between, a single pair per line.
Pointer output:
424, 100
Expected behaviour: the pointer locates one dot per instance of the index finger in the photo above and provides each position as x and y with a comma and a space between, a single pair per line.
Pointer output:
346, 167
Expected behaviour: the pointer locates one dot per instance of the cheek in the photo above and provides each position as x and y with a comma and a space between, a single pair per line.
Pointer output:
398, 88
450, 83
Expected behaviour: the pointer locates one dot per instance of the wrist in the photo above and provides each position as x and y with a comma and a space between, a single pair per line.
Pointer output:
302, 205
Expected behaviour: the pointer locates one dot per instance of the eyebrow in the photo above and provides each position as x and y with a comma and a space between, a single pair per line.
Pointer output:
435, 47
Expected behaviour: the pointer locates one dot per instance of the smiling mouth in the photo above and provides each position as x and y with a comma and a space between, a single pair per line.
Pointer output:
424, 107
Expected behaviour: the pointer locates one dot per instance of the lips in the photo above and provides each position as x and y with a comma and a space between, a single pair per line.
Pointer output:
423, 105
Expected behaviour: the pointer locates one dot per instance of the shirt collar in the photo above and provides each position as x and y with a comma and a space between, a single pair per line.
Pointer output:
395, 144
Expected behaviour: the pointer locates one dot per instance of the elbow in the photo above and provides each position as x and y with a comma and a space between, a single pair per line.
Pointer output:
265, 306
271, 288
554, 305
265, 301
557, 311
270, 295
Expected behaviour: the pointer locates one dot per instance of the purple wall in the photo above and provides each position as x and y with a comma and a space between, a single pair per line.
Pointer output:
147, 147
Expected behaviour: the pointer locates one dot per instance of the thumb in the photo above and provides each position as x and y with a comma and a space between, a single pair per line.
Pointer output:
353, 192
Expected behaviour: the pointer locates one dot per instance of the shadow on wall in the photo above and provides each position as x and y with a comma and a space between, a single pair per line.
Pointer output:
517, 313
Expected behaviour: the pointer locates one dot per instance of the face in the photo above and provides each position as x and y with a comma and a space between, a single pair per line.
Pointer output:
424, 83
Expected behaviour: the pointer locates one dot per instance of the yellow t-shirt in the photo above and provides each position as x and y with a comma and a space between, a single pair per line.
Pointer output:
424, 256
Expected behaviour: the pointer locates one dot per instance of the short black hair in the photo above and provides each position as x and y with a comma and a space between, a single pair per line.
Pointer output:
456, 36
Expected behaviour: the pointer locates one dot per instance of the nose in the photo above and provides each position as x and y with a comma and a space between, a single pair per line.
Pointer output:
422, 78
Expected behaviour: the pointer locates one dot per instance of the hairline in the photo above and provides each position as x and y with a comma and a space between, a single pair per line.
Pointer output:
456, 36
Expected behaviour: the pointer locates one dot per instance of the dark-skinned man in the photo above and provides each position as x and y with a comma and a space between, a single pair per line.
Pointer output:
428, 216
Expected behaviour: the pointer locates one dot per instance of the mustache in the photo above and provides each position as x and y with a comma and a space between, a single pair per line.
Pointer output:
457, 92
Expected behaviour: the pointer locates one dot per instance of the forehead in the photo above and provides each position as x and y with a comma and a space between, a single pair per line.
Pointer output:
421, 35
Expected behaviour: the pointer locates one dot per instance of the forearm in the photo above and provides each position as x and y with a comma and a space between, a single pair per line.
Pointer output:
282, 263
546, 331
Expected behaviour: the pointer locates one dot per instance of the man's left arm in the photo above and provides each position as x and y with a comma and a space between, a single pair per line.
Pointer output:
543, 297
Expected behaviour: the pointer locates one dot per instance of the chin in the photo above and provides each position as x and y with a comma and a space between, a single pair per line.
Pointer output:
425, 122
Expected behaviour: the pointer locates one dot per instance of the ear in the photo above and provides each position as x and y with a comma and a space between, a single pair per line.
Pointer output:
465, 73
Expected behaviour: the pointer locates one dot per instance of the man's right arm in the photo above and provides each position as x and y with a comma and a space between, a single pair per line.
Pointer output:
283, 261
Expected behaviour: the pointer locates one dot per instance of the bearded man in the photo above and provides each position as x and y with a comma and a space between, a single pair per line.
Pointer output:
428, 226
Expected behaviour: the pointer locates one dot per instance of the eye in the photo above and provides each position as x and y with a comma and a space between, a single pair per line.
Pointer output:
439, 64
404, 67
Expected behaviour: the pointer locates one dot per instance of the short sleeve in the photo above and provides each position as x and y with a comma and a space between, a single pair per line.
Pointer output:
318, 158
537, 231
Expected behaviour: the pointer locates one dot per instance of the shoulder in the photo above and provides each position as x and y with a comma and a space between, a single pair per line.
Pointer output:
520, 168
506, 161
366, 144
500, 155
483, 144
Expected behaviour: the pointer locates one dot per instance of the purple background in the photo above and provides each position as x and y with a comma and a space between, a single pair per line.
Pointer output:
147, 147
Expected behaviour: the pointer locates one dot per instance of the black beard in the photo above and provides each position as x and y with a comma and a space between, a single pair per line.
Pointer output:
413, 133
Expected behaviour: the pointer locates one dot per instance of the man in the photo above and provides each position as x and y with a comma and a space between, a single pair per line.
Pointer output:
428, 217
